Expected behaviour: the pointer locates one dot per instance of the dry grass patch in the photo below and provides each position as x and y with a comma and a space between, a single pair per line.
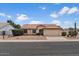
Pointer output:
24, 38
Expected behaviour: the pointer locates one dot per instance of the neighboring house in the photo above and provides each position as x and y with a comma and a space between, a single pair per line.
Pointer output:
42, 29
6, 27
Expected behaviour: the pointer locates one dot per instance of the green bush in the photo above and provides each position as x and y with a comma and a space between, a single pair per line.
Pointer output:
72, 33
63, 33
17, 32
38, 34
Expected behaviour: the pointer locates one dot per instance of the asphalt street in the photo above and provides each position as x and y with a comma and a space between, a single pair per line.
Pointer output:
39, 48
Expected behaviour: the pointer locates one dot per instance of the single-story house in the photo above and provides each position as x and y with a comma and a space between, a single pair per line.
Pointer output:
42, 29
7, 28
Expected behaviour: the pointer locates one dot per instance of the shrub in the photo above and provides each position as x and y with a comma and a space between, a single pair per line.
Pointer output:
17, 32
72, 33
63, 33
75, 33
38, 34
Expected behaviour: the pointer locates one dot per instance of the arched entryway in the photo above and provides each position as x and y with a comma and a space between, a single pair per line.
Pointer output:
40, 29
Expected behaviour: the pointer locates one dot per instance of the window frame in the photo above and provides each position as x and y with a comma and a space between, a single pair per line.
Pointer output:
33, 30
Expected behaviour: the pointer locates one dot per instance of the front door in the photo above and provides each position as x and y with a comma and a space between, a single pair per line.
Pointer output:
41, 31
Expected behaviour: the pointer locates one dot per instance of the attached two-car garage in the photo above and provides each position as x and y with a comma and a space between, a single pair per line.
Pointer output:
52, 32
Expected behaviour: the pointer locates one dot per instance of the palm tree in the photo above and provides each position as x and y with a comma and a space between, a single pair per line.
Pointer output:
75, 29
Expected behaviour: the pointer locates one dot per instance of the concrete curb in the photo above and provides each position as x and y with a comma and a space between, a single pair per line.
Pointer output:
38, 41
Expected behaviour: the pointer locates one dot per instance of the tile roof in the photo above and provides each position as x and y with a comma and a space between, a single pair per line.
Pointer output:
46, 26
30, 26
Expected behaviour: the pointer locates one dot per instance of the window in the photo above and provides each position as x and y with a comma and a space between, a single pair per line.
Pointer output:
25, 30
33, 31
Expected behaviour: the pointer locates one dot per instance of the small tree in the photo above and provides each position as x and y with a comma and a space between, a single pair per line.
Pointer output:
13, 24
17, 26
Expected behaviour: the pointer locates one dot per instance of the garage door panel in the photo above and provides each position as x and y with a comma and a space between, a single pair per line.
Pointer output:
52, 32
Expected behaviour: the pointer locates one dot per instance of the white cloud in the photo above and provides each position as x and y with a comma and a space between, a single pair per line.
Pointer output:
57, 22
64, 10
73, 10
43, 8
2, 14
5, 15
36, 22
8, 16
22, 17
67, 10
54, 15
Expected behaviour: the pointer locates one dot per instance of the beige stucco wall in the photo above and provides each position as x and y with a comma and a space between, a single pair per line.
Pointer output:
52, 32
30, 32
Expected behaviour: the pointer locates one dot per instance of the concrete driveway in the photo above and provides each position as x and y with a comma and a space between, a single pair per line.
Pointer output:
60, 39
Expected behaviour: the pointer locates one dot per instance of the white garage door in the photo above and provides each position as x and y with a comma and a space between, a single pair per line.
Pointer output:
50, 32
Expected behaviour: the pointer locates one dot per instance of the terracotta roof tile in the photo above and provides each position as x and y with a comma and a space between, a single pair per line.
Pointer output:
34, 26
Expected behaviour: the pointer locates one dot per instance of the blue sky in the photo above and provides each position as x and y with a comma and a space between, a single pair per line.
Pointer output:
62, 14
